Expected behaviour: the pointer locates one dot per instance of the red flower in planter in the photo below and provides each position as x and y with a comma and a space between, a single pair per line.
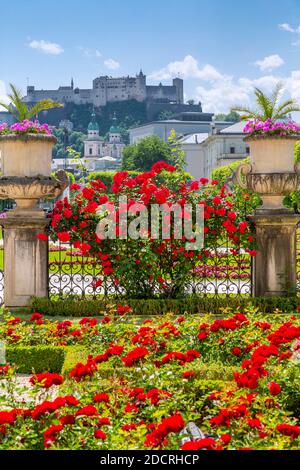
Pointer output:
46, 379
274, 388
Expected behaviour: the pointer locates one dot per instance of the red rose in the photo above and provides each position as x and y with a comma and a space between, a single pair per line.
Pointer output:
225, 438
198, 444
42, 236
67, 419
88, 410
101, 398
236, 351
98, 434
274, 388
63, 236
36, 316
46, 379
288, 430
187, 375
202, 335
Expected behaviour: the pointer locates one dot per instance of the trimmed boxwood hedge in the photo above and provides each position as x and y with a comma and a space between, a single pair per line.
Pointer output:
36, 358
192, 304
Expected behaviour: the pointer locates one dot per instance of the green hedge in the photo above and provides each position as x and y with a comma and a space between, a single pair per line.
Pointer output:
36, 358
192, 305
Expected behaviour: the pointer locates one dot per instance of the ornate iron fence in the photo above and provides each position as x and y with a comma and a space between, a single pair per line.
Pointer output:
226, 271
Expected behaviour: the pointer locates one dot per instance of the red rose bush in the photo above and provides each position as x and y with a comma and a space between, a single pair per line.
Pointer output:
162, 260
138, 385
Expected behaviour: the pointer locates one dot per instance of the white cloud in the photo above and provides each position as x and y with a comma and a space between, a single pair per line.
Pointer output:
287, 27
224, 94
269, 62
46, 47
90, 53
290, 29
111, 64
187, 68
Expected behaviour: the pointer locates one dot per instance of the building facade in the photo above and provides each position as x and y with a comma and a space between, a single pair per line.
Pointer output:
222, 145
110, 89
100, 153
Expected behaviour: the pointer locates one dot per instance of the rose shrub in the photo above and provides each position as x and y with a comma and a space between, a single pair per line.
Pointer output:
148, 267
155, 384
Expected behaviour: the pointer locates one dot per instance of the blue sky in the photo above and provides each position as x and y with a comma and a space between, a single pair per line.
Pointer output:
221, 48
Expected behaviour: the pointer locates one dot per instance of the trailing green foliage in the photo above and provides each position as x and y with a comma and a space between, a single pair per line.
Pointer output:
36, 358
192, 304
244, 200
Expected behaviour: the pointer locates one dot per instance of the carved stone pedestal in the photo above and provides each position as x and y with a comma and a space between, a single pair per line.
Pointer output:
274, 269
25, 260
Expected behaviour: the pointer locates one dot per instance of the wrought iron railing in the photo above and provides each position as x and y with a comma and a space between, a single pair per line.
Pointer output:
226, 271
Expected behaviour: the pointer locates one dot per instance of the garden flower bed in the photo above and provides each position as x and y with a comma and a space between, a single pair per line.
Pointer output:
131, 383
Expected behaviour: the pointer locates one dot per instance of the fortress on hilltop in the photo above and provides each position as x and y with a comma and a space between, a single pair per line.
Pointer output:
110, 89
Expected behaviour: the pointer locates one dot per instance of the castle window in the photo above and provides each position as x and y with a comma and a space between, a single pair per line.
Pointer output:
91, 151
232, 149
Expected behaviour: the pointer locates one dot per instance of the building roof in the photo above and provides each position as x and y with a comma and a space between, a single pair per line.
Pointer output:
107, 159
93, 125
236, 128
114, 130
196, 138
168, 121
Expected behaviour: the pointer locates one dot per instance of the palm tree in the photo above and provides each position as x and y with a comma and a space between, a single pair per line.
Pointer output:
268, 106
21, 110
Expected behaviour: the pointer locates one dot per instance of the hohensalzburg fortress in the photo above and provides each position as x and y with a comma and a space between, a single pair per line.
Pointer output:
108, 89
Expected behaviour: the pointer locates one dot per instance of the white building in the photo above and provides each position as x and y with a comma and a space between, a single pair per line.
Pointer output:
222, 145
100, 153
163, 128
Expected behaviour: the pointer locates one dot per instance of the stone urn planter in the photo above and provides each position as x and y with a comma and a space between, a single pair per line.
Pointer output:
272, 172
272, 154
26, 155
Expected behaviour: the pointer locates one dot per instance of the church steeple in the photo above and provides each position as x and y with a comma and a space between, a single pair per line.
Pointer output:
72, 83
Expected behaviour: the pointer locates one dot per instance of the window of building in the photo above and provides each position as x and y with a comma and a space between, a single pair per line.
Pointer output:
247, 150
232, 149
91, 151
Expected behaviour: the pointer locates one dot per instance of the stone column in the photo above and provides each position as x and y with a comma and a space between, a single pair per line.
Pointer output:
25, 259
274, 267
